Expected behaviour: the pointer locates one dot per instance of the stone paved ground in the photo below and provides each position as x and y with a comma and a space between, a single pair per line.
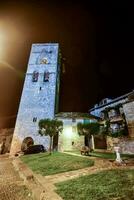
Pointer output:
11, 186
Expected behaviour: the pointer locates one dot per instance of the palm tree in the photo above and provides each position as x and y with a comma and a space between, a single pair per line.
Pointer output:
50, 127
88, 130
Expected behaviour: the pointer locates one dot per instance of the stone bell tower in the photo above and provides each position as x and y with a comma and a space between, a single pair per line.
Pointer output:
40, 95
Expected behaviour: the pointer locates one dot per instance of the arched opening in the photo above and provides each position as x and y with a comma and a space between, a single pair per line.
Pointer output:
28, 141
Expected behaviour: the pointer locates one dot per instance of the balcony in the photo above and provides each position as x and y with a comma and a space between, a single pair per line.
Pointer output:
116, 118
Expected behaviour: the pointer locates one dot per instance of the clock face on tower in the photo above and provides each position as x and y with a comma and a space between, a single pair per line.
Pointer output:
44, 60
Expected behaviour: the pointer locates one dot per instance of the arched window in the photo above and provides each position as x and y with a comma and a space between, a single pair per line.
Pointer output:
35, 76
46, 77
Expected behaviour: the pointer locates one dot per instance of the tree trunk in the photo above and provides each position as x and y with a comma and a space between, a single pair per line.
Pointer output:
50, 148
88, 139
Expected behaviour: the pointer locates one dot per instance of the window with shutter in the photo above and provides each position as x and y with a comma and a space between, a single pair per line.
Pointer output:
46, 76
35, 76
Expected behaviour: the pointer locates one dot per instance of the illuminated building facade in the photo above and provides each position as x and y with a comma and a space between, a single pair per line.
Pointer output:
40, 95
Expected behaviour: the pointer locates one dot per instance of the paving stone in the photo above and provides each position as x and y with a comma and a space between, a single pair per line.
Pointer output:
11, 186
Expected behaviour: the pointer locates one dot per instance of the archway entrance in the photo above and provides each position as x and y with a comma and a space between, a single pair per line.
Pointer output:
28, 141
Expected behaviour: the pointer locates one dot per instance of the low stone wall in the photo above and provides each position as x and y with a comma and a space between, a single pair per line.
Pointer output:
126, 144
6, 134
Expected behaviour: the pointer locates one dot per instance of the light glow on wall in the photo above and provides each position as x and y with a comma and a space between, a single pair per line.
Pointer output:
68, 131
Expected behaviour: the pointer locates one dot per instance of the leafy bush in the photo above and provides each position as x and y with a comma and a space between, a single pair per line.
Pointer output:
119, 133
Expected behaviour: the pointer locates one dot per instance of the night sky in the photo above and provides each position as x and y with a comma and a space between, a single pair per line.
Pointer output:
96, 41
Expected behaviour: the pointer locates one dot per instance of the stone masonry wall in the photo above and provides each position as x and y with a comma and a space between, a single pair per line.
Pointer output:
126, 144
38, 98
129, 114
7, 134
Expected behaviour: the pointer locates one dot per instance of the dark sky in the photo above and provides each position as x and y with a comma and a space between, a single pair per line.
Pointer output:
96, 41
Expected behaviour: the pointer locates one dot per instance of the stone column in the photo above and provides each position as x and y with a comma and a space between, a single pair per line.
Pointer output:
129, 114
15, 146
118, 158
